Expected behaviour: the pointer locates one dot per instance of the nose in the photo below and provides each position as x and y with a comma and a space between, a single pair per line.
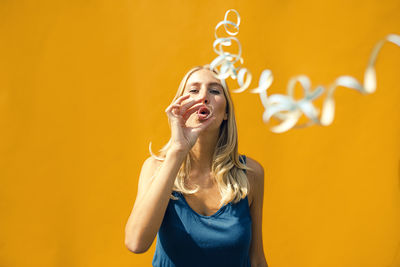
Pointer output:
204, 96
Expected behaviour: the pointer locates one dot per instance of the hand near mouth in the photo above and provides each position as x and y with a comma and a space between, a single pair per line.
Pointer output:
203, 112
184, 137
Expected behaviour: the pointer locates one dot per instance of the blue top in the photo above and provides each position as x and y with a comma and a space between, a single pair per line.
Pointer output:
189, 239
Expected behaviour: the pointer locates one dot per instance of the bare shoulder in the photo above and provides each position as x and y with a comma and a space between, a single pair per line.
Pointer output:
149, 168
151, 163
256, 178
257, 169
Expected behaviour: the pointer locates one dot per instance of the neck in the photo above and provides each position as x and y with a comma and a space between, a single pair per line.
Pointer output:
203, 151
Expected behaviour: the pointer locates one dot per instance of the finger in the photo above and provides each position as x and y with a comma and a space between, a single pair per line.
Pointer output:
171, 108
182, 108
181, 98
189, 104
176, 103
190, 111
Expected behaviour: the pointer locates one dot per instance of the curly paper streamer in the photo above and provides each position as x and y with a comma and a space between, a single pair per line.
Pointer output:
284, 107
225, 62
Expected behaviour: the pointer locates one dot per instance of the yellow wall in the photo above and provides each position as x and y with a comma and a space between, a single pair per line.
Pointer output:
83, 88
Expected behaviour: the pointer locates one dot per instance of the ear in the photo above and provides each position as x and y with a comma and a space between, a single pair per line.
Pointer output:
225, 116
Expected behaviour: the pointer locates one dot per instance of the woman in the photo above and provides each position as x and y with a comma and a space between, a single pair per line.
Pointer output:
198, 194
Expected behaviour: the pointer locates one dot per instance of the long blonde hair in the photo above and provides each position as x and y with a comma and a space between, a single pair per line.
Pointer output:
226, 167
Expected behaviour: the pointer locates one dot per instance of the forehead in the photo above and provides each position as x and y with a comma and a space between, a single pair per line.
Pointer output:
203, 76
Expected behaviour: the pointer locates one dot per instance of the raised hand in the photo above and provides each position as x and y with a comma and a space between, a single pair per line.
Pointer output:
183, 137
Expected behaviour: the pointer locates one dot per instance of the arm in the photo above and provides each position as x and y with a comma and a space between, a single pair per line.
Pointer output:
256, 179
155, 187
151, 201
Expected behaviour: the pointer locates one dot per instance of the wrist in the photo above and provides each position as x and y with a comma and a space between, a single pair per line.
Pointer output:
177, 151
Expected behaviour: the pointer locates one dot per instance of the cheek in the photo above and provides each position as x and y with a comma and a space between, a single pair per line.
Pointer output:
222, 105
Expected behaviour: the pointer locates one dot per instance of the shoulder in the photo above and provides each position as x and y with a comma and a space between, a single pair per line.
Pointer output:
256, 169
149, 168
151, 163
255, 176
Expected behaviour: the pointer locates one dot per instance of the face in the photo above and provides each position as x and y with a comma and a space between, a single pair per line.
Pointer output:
203, 85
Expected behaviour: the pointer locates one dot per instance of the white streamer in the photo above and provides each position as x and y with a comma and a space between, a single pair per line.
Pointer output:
284, 107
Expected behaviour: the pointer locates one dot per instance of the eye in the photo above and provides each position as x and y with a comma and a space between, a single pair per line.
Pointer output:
193, 90
215, 91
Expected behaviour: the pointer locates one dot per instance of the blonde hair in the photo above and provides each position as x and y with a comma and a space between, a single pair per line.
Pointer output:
226, 168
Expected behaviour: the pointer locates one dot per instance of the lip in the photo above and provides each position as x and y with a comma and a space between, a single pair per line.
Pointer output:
204, 112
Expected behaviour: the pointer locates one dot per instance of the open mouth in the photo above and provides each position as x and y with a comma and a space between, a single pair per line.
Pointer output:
204, 113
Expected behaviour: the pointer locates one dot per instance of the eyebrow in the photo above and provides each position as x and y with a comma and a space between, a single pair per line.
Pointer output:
209, 84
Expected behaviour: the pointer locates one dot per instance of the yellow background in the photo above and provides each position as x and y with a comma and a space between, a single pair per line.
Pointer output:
83, 89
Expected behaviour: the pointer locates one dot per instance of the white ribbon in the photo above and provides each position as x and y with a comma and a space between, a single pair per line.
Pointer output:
284, 107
